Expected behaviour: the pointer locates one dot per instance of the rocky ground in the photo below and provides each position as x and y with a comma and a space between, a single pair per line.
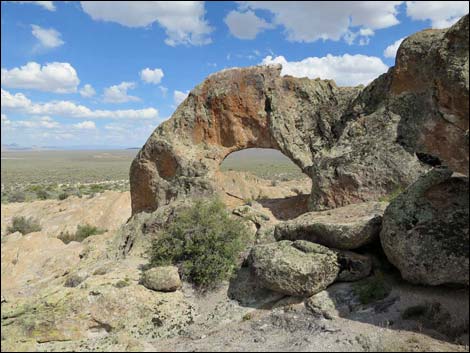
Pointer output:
82, 296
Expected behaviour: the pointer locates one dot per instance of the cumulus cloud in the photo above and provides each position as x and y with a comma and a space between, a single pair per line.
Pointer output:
151, 76
53, 77
38, 122
183, 21
442, 14
245, 25
48, 38
18, 102
313, 20
48, 5
346, 70
118, 93
87, 124
391, 50
179, 96
87, 91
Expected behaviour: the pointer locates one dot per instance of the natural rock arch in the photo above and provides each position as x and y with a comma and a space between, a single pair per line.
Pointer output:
355, 143
256, 107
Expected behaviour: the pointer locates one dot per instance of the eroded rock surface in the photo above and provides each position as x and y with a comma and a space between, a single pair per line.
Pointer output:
294, 268
425, 230
348, 227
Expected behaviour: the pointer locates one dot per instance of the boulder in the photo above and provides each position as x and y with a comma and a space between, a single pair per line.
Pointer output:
425, 231
163, 279
348, 227
296, 268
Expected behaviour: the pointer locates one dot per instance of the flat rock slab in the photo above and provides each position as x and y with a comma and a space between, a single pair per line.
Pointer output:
296, 268
348, 227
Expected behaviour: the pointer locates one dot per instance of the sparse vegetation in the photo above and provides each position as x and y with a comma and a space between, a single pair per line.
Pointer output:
372, 289
390, 197
24, 225
63, 196
204, 241
83, 232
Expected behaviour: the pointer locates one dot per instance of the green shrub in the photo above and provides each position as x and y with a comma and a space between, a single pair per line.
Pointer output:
42, 194
17, 196
204, 241
24, 225
63, 196
372, 289
83, 232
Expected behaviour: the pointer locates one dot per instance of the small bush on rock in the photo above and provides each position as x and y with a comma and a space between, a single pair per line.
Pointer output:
372, 289
83, 232
203, 241
24, 225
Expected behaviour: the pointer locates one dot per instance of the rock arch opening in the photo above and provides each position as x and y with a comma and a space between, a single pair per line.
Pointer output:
268, 177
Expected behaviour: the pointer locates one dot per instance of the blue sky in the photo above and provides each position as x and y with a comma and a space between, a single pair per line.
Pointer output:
106, 74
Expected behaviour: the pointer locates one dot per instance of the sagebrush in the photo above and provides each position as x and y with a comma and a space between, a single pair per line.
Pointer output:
203, 241
83, 232
24, 225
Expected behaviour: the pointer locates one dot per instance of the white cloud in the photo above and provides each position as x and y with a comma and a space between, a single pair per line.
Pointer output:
37, 122
49, 38
346, 70
164, 91
391, 50
179, 96
20, 103
118, 93
313, 20
442, 14
151, 76
183, 21
48, 5
53, 77
245, 25
87, 91
87, 124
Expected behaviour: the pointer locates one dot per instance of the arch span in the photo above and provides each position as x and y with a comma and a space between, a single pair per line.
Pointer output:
313, 122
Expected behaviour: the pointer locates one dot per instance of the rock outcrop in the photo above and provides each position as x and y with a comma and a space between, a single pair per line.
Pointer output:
355, 143
296, 268
348, 227
429, 90
425, 230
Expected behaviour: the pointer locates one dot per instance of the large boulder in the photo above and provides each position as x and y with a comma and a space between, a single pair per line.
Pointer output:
425, 231
296, 268
348, 227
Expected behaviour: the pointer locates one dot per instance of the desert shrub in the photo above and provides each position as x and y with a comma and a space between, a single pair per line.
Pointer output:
42, 194
372, 289
203, 241
17, 196
63, 196
24, 225
83, 232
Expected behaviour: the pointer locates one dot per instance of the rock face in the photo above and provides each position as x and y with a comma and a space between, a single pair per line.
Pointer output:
348, 227
429, 90
296, 268
163, 279
425, 230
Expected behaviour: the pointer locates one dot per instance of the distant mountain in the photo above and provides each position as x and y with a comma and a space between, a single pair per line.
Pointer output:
15, 147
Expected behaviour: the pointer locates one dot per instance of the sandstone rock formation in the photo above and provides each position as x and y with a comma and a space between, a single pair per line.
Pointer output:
425, 230
347, 227
300, 268
163, 279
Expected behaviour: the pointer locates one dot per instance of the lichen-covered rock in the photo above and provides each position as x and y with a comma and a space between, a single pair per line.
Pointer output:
348, 227
294, 268
163, 279
425, 231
